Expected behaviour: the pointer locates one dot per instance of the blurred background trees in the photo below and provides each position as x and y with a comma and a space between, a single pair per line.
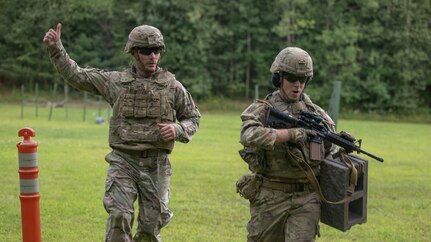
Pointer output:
379, 49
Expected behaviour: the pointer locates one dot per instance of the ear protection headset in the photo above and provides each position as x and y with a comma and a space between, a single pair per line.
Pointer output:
276, 79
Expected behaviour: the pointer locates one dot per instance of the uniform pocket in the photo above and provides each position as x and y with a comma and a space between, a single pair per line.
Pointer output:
141, 103
127, 104
108, 201
153, 110
254, 158
248, 186
108, 184
138, 130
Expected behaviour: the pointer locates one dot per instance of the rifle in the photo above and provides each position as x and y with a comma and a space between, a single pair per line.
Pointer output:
276, 119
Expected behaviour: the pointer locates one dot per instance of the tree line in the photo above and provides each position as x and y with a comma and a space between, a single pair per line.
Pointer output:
379, 49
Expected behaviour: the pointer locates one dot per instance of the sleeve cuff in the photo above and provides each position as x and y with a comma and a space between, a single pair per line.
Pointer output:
181, 135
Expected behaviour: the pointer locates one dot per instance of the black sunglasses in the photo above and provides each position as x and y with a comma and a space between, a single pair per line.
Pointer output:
292, 78
148, 51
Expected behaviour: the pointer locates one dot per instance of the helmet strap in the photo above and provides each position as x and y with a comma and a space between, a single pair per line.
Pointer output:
281, 90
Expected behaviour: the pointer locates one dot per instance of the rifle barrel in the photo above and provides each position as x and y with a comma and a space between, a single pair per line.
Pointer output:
369, 154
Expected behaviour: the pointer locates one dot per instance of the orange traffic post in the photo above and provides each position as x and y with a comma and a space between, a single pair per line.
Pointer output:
29, 186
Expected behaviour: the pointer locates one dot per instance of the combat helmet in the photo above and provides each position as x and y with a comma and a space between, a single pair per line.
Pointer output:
144, 36
292, 60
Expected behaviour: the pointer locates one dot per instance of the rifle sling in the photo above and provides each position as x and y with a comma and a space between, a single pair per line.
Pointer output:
313, 180
264, 102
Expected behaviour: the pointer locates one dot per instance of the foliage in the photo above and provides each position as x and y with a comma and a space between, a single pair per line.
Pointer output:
378, 49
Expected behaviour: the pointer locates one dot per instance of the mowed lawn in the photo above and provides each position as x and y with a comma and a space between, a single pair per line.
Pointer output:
206, 207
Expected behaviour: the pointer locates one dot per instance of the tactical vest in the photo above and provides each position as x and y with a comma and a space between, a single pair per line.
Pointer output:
281, 162
141, 105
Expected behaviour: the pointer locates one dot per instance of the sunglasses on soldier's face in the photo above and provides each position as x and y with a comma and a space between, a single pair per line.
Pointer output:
148, 51
292, 78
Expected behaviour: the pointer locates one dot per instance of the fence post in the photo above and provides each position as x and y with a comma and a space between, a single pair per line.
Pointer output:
54, 95
84, 111
36, 99
29, 186
334, 105
22, 101
66, 99
256, 91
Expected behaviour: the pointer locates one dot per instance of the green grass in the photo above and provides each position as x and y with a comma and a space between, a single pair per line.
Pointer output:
203, 199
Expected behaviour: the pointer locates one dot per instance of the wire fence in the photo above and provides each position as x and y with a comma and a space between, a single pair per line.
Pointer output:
31, 99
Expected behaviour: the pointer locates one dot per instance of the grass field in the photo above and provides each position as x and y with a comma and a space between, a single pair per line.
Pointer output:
203, 199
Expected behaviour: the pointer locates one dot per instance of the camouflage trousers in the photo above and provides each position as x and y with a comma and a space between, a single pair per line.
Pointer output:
277, 216
125, 183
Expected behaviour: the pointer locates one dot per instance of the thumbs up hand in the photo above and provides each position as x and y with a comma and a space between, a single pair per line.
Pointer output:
52, 36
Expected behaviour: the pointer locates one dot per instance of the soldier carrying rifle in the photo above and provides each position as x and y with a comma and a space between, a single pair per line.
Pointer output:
284, 206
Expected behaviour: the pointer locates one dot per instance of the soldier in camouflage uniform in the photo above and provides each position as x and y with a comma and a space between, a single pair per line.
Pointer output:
147, 102
283, 203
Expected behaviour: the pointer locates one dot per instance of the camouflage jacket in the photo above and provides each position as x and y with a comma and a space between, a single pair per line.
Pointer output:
278, 157
138, 103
